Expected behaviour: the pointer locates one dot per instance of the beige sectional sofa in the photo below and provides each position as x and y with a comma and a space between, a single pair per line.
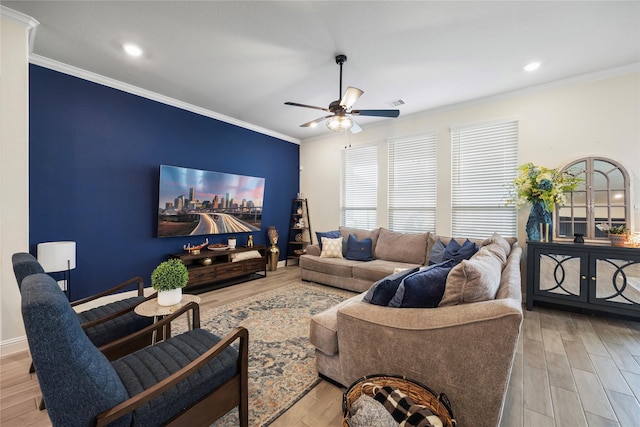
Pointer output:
391, 251
464, 350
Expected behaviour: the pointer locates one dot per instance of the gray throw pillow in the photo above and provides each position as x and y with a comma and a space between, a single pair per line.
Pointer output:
437, 252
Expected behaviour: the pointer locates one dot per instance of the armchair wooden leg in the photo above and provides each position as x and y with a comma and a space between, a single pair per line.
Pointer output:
42, 406
32, 368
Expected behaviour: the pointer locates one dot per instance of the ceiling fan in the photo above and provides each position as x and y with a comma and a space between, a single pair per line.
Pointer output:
338, 120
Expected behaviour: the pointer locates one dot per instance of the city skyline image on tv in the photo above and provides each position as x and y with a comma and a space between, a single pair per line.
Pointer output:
196, 202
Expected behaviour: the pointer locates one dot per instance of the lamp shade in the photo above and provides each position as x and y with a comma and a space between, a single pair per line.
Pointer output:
57, 256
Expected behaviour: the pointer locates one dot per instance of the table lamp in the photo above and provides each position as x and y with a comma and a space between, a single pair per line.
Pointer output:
58, 256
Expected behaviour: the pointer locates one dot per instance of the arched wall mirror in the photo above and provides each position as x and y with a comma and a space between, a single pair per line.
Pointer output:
601, 198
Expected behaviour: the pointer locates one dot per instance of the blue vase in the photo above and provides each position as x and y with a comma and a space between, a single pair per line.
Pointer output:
538, 215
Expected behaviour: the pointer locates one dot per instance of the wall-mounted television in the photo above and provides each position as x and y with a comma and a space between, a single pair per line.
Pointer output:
195, 202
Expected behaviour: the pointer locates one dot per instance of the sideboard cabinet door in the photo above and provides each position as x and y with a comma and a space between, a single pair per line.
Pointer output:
559, 274
615, 280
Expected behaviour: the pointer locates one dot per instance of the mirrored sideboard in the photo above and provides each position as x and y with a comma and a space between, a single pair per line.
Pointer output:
591, 277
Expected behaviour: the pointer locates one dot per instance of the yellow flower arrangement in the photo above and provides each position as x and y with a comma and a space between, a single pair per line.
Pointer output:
540, 184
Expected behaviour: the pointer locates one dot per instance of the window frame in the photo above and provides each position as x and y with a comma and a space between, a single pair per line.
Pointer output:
592, 233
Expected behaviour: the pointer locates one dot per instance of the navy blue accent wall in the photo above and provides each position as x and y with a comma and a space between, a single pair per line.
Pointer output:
95, 155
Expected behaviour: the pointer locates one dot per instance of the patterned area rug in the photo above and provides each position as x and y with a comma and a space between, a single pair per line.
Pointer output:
281, 359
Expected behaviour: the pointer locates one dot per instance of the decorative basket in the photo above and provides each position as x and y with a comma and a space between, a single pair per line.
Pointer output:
419, 393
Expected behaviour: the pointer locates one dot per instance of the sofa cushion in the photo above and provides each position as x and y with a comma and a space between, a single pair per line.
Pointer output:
331, 248
329, 234
334, 266
458, 252
424, 288
359, 250
378, 269
499, 240
473, 280
402, 247
323, 329
381, 292
498, 251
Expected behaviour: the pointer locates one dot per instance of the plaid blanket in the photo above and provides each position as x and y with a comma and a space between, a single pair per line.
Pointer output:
404, 410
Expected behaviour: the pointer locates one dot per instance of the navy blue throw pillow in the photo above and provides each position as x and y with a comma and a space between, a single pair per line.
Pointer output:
457, 253
423, 289
328, 234
359, 250
381, 292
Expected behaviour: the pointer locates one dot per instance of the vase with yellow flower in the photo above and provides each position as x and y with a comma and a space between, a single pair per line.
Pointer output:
543, 188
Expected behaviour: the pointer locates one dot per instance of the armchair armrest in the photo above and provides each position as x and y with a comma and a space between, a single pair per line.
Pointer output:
151, 393
116, 288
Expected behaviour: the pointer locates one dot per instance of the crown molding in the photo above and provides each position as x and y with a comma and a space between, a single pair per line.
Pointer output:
23, 20
571, 81
135, 90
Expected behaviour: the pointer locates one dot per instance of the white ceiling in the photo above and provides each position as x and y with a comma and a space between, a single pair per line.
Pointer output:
244, 59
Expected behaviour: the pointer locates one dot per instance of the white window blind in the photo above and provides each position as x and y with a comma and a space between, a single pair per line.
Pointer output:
359, 187
484, 162
412, 184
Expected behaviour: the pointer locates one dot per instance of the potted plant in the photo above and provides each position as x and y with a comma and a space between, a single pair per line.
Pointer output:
618, 234
168, 279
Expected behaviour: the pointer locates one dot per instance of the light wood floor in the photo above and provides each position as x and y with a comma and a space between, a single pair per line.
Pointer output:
570, 370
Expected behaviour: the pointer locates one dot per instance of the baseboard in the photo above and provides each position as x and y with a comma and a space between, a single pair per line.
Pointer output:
13, 345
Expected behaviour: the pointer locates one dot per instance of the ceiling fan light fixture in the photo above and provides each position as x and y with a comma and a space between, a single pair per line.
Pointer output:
339, 123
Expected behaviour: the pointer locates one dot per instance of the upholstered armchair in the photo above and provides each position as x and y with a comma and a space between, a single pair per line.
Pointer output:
190, 379
106, 323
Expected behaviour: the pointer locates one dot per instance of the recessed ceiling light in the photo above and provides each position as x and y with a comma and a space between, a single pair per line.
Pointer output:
132, 49
532, 66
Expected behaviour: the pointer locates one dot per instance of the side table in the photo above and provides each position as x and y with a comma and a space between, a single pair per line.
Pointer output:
151, 308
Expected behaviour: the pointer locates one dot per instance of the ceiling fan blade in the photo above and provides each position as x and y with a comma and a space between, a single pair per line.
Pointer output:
377, 113
350, 97
313, 123
355, 127
295, 104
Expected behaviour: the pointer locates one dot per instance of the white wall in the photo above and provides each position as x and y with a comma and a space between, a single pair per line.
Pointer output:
557, 124
14, 175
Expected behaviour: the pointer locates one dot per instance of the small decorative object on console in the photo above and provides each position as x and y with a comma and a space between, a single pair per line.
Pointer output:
231, 242
195, 249
617, 233
217, 247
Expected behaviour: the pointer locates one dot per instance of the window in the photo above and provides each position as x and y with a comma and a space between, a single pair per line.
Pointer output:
359, 187
483, 163
602, 197
412, 184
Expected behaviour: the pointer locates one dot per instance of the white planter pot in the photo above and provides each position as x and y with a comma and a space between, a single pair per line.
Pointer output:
167, 298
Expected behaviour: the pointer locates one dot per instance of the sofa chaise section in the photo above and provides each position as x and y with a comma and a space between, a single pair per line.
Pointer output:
465, 351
